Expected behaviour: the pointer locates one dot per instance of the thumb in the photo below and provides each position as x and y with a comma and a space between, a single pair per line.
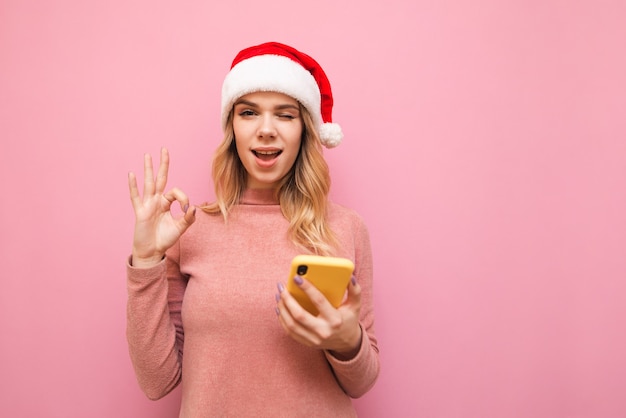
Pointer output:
188, 218
354, 292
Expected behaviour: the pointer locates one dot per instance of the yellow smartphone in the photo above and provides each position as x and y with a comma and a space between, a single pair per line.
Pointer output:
330, 275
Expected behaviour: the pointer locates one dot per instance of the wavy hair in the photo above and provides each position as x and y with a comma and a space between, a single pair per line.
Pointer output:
302, 193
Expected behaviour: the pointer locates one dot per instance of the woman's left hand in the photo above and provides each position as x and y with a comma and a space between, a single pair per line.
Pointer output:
334, 329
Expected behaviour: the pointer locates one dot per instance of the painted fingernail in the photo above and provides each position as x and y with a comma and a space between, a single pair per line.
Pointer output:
277, 311
277, 297
280, 287
353, 279
298, 280
185, 208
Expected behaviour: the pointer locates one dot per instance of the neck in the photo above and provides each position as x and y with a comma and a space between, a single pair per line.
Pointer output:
252, 196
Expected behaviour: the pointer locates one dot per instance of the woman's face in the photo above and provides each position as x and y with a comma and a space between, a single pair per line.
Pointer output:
268, 131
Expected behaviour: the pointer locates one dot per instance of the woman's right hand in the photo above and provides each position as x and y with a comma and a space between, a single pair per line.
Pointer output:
156, 229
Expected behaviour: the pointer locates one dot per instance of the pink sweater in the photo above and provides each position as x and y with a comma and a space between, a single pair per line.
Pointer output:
215, 292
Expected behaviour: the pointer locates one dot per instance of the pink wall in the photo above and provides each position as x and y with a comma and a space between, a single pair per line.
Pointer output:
486, 148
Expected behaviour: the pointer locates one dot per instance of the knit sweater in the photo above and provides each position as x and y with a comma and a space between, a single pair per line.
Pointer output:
205, 316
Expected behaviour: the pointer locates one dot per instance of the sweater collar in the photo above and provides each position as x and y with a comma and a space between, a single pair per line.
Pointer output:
259, 197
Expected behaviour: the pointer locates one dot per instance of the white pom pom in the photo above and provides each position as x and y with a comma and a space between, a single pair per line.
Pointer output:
330, 134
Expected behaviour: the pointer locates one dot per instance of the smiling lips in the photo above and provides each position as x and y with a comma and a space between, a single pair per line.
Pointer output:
266, 157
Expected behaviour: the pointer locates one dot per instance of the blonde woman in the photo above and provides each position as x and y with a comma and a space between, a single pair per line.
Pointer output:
206, 302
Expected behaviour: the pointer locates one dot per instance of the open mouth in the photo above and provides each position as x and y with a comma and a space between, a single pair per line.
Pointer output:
266, 155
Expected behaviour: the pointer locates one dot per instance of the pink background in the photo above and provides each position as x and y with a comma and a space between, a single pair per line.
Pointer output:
485, 147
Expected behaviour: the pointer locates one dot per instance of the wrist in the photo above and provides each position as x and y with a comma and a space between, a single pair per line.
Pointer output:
351, 350
145, 262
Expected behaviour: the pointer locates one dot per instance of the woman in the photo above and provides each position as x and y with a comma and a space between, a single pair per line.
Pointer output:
203, 307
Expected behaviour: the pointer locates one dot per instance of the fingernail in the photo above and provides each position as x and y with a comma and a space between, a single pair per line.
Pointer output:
277, 311
298, 280
185, 208
277, 297
280, 287
353, 280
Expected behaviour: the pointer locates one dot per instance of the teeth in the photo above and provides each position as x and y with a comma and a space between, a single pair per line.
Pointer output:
267, 152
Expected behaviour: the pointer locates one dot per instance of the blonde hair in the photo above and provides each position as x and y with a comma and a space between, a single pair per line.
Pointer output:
302, 193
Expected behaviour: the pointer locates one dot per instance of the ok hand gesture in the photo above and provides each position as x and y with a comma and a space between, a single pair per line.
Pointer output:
156, 229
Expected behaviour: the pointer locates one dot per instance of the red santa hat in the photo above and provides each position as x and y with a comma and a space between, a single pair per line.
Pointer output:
280, 68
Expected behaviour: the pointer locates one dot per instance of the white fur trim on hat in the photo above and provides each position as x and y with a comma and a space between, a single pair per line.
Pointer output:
271, 73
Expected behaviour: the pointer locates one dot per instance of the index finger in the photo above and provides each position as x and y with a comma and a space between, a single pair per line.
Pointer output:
316, 297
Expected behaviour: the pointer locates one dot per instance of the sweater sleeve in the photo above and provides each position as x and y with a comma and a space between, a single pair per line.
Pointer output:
154, 325
357, 375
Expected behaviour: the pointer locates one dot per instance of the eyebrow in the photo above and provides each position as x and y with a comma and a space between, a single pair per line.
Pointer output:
279, 107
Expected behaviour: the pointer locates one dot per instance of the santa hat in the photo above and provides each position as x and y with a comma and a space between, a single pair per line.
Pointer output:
280, 68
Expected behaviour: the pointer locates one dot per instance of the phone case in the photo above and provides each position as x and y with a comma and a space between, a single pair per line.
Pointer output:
330, 275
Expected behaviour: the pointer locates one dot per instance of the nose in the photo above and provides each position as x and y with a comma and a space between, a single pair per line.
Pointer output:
267, 129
